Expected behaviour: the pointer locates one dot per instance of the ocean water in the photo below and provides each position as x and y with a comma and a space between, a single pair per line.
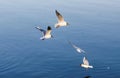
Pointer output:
94, 27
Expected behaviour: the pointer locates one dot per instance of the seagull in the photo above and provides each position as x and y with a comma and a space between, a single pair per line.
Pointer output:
86, 63
46, 34
79, 50
61, 21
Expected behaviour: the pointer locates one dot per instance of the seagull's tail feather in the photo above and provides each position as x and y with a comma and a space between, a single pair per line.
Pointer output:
42, 38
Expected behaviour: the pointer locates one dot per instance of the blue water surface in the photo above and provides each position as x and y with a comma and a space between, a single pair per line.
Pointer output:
94, 27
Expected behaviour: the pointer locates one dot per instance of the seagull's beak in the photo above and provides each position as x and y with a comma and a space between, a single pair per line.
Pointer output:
52, 36
68, 24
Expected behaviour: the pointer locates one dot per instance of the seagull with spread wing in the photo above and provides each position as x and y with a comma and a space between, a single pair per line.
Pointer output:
61, 21
86, 63
46, 33
79, 50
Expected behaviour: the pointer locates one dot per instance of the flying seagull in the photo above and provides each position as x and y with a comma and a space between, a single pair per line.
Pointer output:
61, 21
86, 63
46, 34
79, 50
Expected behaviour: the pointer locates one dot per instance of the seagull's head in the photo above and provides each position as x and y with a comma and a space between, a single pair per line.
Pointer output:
49, 28
82, 65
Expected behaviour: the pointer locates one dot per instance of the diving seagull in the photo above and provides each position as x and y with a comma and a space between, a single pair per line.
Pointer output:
61, 21
79, 50
86, 63
46, 33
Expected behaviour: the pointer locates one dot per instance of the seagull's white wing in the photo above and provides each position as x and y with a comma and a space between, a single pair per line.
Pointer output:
43, 31
81, 50
85, 61
74, 46
59, 16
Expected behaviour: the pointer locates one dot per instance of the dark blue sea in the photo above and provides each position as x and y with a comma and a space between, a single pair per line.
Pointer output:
94, 27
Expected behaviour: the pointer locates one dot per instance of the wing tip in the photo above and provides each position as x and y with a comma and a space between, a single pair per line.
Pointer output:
37, 27
56, 11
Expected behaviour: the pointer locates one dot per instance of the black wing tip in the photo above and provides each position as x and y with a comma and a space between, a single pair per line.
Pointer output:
49, 28
56, 11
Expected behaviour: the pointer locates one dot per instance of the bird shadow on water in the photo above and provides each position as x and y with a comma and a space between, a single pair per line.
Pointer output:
87, 77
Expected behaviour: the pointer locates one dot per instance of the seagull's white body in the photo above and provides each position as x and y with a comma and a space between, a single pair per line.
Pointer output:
61, 21
45, 37
46, 34
59, 24
86, 63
